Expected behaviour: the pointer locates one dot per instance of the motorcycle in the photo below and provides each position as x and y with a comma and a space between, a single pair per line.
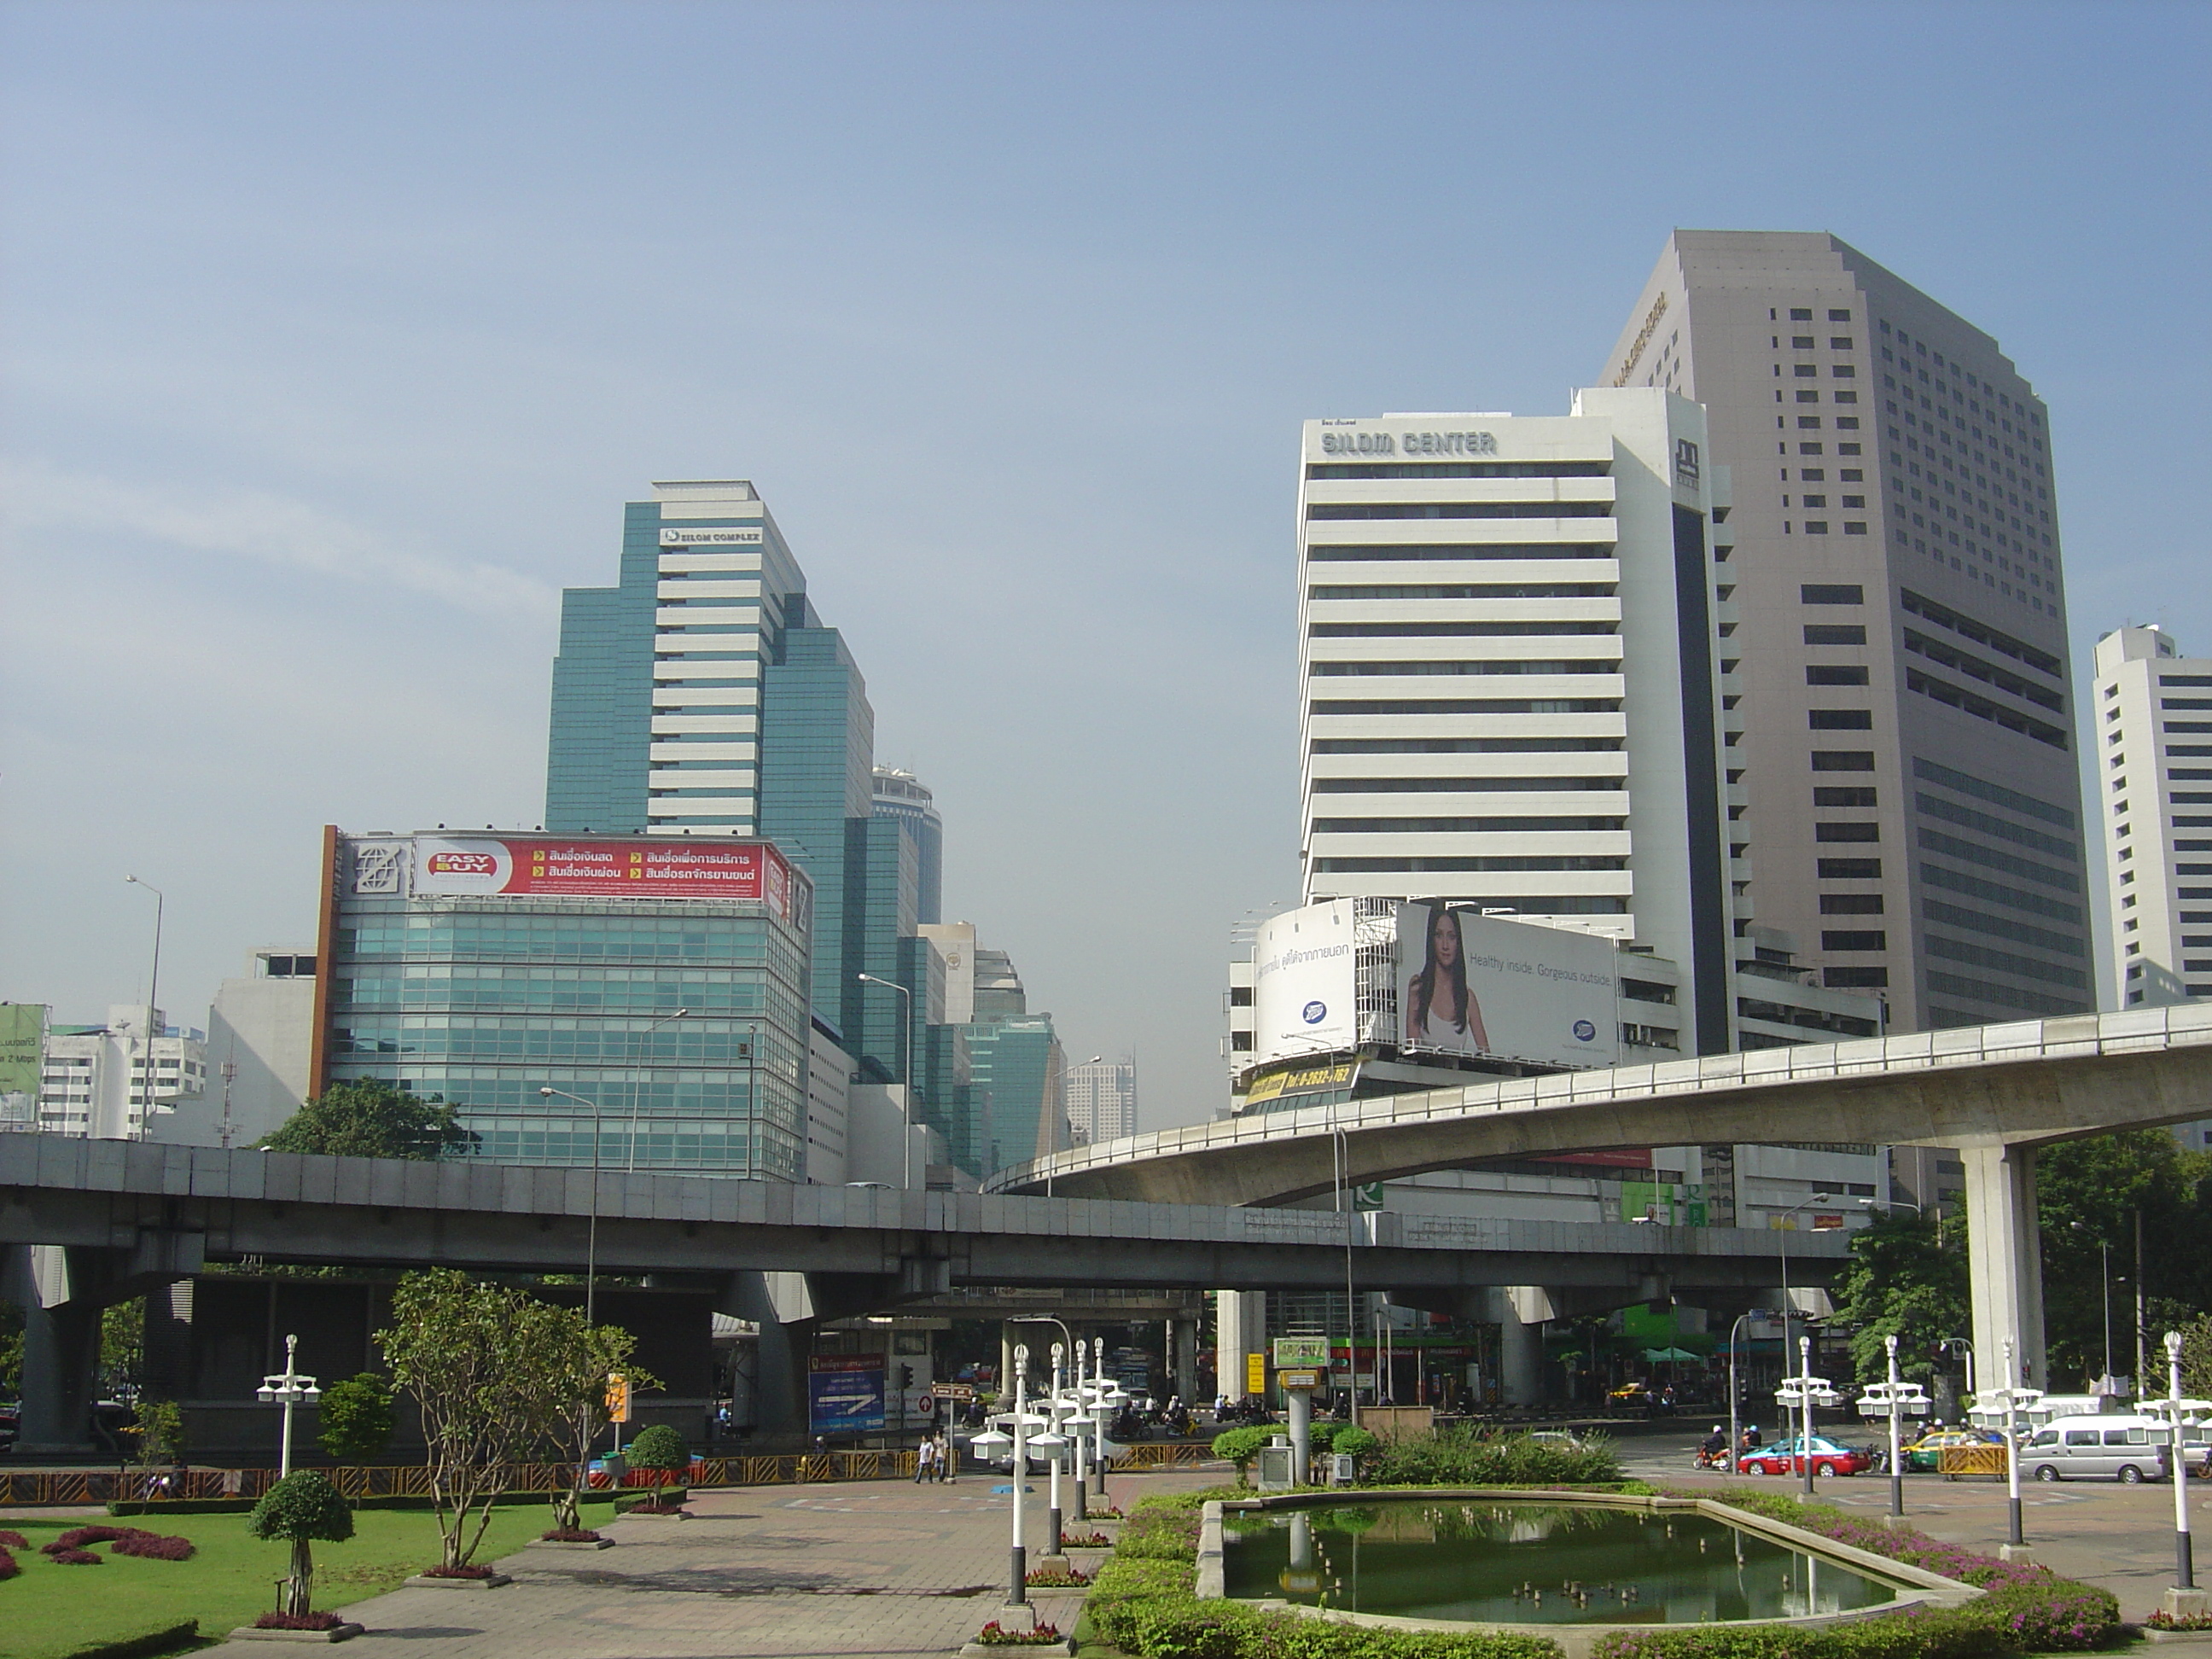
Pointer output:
1711, 1460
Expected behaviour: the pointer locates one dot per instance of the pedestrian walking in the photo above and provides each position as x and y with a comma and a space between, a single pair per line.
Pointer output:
948, 1456
925, 1459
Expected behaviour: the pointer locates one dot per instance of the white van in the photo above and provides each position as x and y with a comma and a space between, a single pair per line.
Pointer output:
2106, 1446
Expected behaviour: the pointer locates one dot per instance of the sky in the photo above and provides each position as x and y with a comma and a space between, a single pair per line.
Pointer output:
333, 338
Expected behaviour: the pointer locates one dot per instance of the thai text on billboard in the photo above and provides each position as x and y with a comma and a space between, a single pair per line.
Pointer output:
644, 868
1302, 983
1472, 984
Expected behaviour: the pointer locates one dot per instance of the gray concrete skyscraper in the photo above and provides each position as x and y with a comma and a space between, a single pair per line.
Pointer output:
1906, 704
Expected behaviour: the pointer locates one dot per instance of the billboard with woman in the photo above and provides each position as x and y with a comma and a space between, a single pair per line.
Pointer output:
1472, 984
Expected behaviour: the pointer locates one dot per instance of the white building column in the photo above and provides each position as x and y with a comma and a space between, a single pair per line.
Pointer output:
1240, 1328
2004, 1261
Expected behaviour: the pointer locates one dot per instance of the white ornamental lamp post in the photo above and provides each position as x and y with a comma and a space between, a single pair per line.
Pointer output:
1052, 1442
2185, 1597
2015, 1540
1896, 1453
1018, 1599
287, 1388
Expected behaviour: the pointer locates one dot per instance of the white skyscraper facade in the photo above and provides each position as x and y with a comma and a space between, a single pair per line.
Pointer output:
2153, 741
1516, 675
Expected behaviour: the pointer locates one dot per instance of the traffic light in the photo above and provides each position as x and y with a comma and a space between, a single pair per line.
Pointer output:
617, 1397
906, 1376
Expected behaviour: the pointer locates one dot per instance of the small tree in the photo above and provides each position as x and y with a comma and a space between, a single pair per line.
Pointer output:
659, 1447
452, 1344
367, 1117
357, 1418
1240, 1447
161, 1431
302, 1510
572, 1362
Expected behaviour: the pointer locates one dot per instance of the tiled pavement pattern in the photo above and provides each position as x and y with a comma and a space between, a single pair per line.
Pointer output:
870, 1568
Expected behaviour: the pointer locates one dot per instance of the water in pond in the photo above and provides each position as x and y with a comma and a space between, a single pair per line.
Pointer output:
1531, 1564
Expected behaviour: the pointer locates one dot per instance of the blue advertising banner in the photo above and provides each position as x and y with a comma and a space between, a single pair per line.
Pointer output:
845, 1393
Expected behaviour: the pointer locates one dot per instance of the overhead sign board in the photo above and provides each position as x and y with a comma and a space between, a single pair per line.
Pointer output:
1302, 983
640, 868
1302, 1350
1472, 984
845, 1393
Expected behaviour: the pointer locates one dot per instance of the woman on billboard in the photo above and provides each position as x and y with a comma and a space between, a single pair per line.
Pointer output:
1441, 1012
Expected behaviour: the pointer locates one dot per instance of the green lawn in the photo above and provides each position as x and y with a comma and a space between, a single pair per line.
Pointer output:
49, 1611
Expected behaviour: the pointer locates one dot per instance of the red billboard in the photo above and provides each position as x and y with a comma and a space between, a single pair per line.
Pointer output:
637, 867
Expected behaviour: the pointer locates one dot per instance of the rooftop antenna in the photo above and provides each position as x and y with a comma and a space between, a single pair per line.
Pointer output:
229, 1075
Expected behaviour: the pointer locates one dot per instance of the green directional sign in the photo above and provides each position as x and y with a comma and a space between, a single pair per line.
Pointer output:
1302, 1350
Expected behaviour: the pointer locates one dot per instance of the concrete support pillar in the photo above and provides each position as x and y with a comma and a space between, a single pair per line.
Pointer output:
61, 1346
2004, 1261
1240, 1328
781, 1305
1522, 1310
1183, 1341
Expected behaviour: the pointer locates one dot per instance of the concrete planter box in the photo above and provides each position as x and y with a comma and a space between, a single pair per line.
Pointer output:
1010, 1649
572, 1544
251, 1633
423, 1581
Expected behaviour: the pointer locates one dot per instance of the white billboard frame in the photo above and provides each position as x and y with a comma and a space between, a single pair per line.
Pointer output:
1303, 1000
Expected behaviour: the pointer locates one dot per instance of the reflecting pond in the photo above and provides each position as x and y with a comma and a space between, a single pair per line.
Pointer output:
1531, 1564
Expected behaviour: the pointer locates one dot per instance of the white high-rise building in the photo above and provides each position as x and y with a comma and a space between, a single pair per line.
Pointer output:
2154, 739
1102, 1100
1503, 620
93, 1080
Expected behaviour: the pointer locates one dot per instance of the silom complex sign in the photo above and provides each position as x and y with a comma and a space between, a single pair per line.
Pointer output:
1408, 443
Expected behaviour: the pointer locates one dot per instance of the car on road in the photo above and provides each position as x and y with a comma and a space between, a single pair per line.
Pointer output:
1921, 1456
1789, 1456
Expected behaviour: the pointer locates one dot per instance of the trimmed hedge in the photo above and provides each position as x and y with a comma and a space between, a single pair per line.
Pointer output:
1468, 1456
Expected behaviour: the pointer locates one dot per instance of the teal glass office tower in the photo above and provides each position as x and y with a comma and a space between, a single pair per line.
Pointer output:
703, 695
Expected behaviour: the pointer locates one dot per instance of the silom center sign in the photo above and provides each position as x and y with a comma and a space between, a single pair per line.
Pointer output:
1408, 443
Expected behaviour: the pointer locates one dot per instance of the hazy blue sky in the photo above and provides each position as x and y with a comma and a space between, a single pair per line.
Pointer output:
335, 336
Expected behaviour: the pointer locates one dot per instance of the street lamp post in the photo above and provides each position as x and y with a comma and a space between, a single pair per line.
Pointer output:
906, 1073
153, 985
1896, 1454
1082, 1508
1789, 1307
291, 1387
1736, 1398
1805, 1444
629, 1154
1018, 1579
2014, 1539
2184, 1563
592, 1235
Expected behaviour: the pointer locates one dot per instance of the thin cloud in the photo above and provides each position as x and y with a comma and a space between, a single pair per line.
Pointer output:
262, 527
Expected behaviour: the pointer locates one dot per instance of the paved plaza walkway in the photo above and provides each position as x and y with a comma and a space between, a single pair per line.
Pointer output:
862, 1568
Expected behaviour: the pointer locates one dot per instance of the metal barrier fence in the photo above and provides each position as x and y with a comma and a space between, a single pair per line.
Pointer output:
1163, 1454
1971, 1459
38, 1487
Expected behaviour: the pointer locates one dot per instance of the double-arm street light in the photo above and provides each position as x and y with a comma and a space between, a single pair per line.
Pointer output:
153, 986
906, 1071
592, 1237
